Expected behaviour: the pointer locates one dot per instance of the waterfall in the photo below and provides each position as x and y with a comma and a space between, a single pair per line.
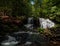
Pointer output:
30, 20
46, 23
11, 41
29, 24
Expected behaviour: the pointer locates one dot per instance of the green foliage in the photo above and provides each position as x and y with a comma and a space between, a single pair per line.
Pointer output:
47, 9
16, 7
21, 7
42, 8
41, 30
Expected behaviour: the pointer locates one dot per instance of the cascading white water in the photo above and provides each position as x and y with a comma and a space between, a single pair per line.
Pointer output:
46, 23
11, 41
30, 20
29, 25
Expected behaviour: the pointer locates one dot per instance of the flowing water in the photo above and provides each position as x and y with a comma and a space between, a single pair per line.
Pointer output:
11, 41
46, 23
29, 24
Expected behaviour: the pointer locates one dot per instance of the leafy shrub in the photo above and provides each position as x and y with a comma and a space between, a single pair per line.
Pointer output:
41, 30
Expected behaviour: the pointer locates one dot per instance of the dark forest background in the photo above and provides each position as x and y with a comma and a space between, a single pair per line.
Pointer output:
14, 13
